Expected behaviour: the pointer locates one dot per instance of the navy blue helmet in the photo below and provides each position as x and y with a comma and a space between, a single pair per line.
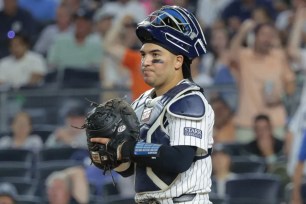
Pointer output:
175, 29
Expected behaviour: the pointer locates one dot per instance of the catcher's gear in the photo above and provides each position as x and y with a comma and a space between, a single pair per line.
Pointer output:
175, 29
116, 120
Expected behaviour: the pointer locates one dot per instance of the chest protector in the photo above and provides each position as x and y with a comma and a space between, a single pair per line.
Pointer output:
151, 114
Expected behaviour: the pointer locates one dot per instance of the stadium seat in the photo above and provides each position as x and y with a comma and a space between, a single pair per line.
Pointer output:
28, 200
253, 188
236, 149
22, 156
108, 189
242, 164
24, 187
57, 154
46, 168
80, 78
51, 80
215, 199
117, 200
15, 171
43, 133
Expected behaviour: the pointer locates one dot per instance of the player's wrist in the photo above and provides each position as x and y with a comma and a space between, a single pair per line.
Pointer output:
127, 150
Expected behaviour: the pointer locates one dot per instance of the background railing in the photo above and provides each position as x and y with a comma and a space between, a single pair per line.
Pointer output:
47, 106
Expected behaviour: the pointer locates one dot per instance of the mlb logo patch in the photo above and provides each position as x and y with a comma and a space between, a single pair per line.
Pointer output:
193, 132
146, 114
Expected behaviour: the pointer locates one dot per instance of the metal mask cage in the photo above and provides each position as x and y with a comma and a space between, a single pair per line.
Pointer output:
169, 18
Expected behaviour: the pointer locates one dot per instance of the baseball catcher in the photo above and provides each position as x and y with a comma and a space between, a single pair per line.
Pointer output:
116, 120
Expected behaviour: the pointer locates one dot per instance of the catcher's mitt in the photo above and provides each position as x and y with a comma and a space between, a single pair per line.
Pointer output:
115, 119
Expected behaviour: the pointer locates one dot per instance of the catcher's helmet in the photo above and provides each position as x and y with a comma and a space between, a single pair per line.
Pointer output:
174, 28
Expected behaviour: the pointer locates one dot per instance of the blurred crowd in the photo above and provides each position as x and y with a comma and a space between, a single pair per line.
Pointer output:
256, 47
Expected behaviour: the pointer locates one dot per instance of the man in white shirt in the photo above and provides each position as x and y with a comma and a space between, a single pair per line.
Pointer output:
22, 67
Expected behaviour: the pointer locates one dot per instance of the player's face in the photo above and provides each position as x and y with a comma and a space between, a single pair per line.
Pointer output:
262, 129
161, 69
6, 200
58, 193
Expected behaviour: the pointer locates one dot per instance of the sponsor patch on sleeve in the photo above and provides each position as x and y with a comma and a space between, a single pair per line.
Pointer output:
193, 132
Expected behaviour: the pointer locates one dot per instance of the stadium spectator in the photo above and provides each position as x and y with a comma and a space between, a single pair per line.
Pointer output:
263, 75
68, 134
265, 144
49, 33
261, 15
221, 161
104, 19
129, 58
14, 20
112, 72
8, 193
79, 50
215, 64
209, 11
21, 134
224, 128
43, 10
240, 10
23, 67
69, 186
73, 5
126, 7
285, 19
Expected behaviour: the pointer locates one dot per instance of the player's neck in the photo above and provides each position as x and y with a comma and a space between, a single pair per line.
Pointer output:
161, 90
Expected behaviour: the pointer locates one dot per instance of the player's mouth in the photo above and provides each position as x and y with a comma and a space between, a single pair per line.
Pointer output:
146, 71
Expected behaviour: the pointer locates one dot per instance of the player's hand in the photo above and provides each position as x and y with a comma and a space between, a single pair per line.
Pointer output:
248, 25
100, 140
105, 142
63, 135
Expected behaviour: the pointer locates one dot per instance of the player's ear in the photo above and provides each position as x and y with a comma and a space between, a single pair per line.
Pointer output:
179, 62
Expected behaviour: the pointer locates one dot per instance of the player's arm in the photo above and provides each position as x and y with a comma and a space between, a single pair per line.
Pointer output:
179, 156
176, 159
295, 37
236, 43
112, 43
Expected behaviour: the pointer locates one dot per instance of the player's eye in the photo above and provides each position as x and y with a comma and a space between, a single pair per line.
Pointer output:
155, 55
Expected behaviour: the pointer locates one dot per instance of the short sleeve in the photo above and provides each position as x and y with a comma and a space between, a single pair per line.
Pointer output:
38, 64
97, 52
53, 56
188, 132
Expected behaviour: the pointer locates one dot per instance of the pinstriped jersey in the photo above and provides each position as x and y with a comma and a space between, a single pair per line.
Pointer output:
160, 124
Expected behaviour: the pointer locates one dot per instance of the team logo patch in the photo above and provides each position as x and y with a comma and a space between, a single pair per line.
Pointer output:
146, 114
193, 132
121, 128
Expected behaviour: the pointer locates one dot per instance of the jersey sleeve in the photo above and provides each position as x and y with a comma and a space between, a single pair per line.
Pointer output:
186, 131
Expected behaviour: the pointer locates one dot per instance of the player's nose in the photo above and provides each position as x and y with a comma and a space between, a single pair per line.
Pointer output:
146, 61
